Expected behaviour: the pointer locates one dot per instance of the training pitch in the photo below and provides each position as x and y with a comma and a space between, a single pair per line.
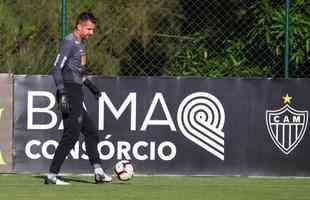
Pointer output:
31, 187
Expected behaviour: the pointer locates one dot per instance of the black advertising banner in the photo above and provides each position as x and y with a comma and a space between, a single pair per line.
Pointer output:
6, 123
190, 126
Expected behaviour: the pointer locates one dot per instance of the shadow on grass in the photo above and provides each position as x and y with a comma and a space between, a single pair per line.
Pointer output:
78, 180
66, 179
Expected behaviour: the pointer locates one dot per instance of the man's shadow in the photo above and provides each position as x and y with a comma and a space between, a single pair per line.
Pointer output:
77, 180
66, 179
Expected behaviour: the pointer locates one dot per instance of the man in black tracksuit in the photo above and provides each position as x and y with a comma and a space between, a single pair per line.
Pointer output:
69, 76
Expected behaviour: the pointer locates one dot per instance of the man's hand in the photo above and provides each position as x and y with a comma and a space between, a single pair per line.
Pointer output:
64, 102
97, 95
92, 88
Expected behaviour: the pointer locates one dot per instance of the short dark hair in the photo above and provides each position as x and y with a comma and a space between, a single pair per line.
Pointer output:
85, 16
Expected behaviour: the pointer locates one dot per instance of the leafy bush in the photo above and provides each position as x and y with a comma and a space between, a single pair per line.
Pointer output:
269, 29
194, 60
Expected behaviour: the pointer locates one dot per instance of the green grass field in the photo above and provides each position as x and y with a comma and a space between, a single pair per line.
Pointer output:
14, 187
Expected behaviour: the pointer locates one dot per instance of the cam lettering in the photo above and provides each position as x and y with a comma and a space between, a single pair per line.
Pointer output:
286, 119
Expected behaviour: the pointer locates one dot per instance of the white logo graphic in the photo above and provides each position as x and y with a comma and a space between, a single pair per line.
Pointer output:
1, 110
286, 126
201, 119
2, 161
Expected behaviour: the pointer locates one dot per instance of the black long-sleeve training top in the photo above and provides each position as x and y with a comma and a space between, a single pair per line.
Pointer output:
68, 65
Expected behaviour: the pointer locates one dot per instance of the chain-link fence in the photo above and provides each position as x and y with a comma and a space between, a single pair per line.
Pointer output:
28, 35
299, 39
214, 38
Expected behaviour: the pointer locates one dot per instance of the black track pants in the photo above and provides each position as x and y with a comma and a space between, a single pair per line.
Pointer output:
77, 121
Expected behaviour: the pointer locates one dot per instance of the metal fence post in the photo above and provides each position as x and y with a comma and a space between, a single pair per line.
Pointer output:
287, 26
63, 20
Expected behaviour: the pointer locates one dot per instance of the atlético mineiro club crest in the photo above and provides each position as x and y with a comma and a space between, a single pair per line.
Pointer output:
286, 126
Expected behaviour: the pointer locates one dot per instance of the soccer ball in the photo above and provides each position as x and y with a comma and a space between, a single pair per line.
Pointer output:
124, 170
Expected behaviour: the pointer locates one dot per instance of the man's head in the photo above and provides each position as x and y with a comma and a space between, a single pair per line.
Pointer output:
85, 25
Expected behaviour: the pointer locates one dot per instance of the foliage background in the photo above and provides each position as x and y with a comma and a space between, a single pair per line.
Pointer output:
214, 38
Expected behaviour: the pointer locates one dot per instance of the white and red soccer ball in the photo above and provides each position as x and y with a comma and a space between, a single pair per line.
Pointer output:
124, 170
